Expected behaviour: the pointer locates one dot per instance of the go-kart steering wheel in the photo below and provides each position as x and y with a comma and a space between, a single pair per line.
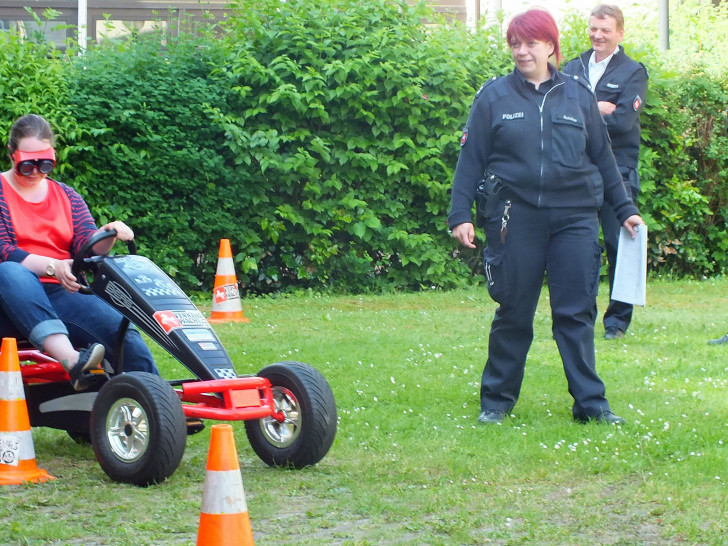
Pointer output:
82, 263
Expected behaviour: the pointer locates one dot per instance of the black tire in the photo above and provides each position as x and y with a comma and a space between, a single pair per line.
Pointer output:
138, 429
305, 437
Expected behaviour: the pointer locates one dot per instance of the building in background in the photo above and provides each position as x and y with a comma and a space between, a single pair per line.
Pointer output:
106, 19
112, 19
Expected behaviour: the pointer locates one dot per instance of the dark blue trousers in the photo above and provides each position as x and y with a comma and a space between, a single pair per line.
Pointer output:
563, 245
618, 314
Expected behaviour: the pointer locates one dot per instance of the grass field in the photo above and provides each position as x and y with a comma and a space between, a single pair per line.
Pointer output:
410, 465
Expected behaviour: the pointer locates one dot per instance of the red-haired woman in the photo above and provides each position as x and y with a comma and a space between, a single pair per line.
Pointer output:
535, 140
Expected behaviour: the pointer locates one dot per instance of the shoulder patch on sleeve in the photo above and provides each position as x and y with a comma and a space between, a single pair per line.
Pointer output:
637, 103
464, 138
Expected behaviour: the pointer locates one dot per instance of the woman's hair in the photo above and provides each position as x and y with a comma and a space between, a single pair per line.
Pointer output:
535, 24
30, 125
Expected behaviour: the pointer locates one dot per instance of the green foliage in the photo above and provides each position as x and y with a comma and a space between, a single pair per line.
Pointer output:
348, 113
321, 136
148, 153
33, 79
683, 167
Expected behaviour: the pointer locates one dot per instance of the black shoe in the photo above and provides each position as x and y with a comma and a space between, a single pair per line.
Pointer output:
720, 341
613, 333
491, 417
605, 417
88, 367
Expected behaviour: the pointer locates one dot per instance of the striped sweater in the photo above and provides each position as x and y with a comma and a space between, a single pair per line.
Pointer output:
83, 225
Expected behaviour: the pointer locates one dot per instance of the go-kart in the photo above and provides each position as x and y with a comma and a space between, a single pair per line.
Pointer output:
137, 422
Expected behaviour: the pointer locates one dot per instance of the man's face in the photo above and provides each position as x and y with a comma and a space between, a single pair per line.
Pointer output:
604, 35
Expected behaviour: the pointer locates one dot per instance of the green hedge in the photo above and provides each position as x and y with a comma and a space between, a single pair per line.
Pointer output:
320, 136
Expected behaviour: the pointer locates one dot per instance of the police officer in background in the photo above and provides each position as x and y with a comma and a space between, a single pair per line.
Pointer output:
538, 135
620, 85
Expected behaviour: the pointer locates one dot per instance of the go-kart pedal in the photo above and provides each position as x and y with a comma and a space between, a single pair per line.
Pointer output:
194, 425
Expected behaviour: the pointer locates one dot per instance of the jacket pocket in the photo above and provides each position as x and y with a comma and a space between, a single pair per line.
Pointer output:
496, 274
568, 139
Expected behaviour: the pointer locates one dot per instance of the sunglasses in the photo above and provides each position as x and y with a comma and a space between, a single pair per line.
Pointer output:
27, 162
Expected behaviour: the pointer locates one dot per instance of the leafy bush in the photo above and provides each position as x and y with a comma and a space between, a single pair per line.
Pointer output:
321, 136
149, 154
348, 113
33, 79
683, 168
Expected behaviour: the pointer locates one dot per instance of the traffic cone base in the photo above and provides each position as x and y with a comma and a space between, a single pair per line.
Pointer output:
226, 306
17, 454
224, 518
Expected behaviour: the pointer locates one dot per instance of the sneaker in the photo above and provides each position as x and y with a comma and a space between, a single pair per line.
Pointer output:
613, 333
89, 359
491, 417
720, 341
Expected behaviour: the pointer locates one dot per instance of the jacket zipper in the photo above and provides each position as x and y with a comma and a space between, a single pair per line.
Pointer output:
540, 113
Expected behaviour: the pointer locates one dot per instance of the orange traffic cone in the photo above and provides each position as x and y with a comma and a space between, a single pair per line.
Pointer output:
17, 455
226, 306
224, 516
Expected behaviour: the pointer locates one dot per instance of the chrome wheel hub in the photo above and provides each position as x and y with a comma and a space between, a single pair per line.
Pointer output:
127, 430
283, 433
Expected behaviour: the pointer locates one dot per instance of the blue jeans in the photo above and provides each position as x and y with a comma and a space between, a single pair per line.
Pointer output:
32, 310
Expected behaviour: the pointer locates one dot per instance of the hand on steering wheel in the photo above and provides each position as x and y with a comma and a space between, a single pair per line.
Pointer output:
65, 276
123, 232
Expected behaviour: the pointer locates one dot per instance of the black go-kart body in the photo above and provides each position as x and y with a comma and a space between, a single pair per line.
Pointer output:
136, 421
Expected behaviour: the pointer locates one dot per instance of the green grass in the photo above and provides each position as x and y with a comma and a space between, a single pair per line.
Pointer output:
410, 465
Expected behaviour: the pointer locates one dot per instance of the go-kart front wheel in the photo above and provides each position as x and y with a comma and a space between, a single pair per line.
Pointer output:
305, 398
138, 429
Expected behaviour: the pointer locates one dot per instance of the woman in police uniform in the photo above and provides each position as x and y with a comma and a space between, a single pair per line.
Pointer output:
539, 134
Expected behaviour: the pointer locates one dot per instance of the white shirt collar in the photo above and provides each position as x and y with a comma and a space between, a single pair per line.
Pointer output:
596, 69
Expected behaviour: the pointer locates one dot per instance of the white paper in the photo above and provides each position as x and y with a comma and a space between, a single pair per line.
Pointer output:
630, 275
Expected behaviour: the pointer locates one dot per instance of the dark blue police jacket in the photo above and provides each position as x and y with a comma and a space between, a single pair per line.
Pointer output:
549, 146
623, 83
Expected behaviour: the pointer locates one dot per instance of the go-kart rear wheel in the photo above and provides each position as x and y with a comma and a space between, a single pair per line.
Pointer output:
304, 396
138, 429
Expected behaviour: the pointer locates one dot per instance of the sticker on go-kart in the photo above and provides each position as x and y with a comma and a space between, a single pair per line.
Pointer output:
226, 292
198, 334
226, 373
161, 292
208, 346
150, 279
171, 320
9, 449
157, 287
167, 320
122, 299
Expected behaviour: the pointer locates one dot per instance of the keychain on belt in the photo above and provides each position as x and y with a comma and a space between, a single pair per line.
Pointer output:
504, 221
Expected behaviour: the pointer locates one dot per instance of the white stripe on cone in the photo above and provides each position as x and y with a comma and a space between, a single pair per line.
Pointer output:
16, 446
225, 266
224, 493
11, 386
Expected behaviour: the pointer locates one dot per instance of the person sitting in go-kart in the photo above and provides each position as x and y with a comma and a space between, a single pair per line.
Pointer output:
43, 224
